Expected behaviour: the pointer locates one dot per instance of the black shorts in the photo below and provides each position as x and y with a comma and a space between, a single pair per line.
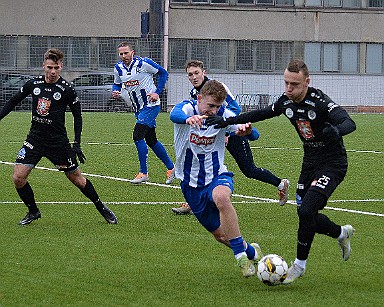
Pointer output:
62, 156
322, 178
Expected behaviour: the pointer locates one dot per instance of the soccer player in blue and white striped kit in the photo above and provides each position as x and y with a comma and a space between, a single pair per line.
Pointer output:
206, 183
134, 82
237, 146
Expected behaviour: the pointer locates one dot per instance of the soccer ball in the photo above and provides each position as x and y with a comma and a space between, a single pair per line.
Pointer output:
272, 269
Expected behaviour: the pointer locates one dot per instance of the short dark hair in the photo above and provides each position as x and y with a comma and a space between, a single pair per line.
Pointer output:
297, 66
54, 54
215, 89
194, 63
125, 44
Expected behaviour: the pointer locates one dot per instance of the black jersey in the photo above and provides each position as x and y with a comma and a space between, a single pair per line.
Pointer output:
49, 104
309, 117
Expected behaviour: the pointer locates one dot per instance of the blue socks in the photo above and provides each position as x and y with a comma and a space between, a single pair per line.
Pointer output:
162, 154
237, 245
142, 151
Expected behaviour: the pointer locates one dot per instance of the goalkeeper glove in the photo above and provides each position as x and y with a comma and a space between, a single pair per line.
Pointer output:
79, 153
216, 120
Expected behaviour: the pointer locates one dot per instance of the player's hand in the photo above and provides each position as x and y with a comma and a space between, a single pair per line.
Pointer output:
217, 121
79, 153
330, 133
196, 120
153, 97
244, 129
116, 94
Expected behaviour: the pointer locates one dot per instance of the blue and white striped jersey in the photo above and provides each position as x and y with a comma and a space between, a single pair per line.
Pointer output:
199, 151
136, 81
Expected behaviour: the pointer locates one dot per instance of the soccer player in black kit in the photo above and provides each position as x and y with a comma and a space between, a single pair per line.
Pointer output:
320, 124
47, 137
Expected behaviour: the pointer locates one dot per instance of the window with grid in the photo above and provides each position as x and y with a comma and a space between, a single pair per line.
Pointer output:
349, 58
376, 3
270, 2
219, 55
178, 53
284, 2
312, 56
313, 3
331, 57
352, 3
244, 55
38, 45
245, 1
332, 3
263, 56
374, 59
7, 51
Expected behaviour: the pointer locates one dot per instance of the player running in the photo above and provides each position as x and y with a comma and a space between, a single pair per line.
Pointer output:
237, 146
320, 123
134, 82
206, 183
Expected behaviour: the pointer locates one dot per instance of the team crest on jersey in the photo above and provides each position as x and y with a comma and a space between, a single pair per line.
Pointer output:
36, 91
57, 96
201, 140
305, 129
289, 113
131, 83
43, 106
311, 114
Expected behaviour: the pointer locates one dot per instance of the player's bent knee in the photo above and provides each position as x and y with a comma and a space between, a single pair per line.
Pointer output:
18, 181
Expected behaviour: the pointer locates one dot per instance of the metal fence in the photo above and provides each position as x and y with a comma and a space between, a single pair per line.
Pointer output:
251, 69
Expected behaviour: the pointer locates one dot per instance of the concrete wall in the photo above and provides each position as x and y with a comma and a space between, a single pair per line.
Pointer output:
123, 18
274, 24
72, 17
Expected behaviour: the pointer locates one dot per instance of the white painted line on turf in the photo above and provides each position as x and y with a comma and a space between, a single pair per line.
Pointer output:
297, 148
259, 199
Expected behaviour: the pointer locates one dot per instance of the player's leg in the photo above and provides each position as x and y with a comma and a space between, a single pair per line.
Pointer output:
28, 156
307, 212
328, 180
221, 195
148, 117
87, 188
139, 132
159, 150
23, 188
65, 160
240, 150
312, 196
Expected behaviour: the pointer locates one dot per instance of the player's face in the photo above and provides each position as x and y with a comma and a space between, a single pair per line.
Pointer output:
296, 85
207, 105
196, 75
126, 54
52, 70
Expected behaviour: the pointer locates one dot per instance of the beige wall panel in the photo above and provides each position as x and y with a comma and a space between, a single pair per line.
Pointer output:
72, 17
351, 27
276, 25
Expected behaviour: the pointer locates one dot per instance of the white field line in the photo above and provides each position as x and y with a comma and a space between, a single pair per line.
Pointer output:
251, 199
